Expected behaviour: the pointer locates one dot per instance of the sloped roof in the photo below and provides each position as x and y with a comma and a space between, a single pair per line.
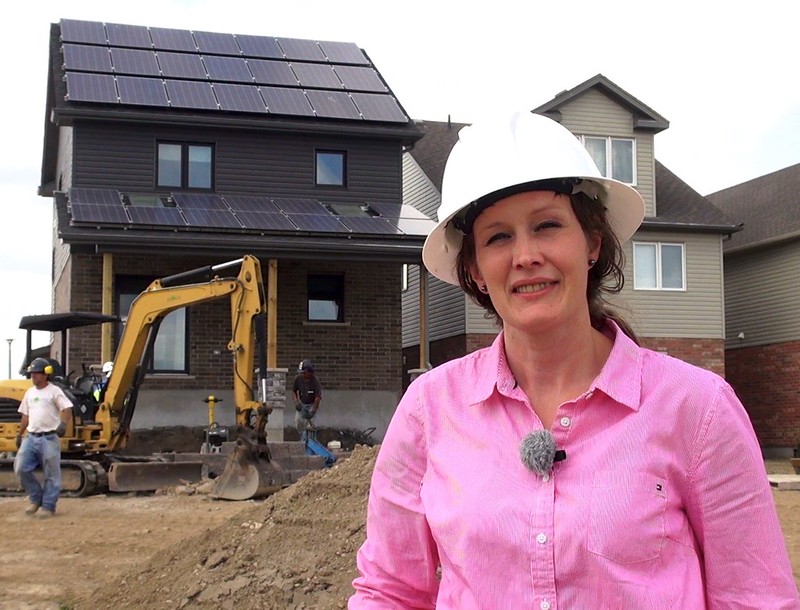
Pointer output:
432, 150
769, 207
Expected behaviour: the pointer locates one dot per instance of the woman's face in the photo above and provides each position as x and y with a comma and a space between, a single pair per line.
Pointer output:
532, 254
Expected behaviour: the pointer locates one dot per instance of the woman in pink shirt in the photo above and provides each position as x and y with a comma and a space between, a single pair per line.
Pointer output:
564, 466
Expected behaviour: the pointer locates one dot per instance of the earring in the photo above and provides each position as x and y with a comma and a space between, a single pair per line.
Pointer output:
592, 262
483, 289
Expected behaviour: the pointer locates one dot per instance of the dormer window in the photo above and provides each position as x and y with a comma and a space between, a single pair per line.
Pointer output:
182, 165
330, 168
614, 157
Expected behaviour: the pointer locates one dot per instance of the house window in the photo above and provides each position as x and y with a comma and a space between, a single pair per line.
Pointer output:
330, 168
326, 298
185, 166
404, 278
658, 266
171, 348
614, 157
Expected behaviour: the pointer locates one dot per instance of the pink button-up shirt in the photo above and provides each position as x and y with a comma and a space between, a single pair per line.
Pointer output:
662, 501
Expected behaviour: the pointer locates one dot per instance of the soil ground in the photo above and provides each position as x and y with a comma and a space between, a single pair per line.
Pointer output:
291, 551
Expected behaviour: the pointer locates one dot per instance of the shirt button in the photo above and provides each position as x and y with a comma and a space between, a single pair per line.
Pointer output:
545, 477
545, 605
541, 538
565, 422
589, 393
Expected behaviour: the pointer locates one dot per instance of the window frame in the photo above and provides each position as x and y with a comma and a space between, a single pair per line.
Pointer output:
659, 270
608, 171
342, 154
339, 297
185, 148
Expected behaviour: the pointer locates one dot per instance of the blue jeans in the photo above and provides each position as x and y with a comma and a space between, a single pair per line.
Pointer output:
40, 452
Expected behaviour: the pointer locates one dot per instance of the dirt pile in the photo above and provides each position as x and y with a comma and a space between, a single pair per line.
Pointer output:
294, 550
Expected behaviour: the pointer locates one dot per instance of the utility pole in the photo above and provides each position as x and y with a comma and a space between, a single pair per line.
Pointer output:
10, 341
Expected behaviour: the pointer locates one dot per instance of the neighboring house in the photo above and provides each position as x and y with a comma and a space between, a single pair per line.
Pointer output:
673, 294
166, 150
762, 292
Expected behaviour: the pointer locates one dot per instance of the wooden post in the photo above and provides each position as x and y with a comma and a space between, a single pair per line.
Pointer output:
424, 357
272, 314
107, 306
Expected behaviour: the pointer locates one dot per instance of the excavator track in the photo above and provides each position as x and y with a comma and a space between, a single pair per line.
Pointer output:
79, 478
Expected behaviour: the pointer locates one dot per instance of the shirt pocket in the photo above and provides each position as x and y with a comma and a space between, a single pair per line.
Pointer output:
626, 522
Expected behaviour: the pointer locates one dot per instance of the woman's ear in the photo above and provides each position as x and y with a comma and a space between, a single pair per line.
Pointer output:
476, 275
594, 242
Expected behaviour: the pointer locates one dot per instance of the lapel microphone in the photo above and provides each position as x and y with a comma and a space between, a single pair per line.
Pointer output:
538, 452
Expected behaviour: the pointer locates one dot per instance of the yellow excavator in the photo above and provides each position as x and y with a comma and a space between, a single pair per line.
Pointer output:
103, 409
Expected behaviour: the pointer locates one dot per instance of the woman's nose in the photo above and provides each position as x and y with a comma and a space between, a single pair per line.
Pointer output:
526, 252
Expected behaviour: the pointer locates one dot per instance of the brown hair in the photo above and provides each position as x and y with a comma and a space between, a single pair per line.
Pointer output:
605, 276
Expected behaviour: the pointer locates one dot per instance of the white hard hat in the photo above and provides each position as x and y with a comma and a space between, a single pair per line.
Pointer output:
500, 157
108, 367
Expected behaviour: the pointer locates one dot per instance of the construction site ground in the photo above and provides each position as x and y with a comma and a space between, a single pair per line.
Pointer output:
293, 550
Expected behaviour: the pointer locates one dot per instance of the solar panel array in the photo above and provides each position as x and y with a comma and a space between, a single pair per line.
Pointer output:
243, 213
159, 67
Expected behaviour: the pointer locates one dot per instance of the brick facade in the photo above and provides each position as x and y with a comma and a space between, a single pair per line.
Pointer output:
767, 381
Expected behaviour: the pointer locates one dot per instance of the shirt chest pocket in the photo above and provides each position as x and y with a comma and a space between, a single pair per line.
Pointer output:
626, 521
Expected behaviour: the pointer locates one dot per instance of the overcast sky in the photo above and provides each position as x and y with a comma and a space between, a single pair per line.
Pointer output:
724, 77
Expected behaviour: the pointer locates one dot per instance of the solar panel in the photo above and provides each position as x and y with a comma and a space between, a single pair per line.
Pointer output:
135, 61
343, 52
199, 201
396, 210
268, 72
333, 104
123, 35
232, 69
307, 50
264, 221
296, 205
259, 46
191, 94
371, 226
141, 91
218, 219
376, 107
156, 216
181, 65
248, 203
214, 42
319, 223
96, 196
316, 75
91, 32
99, 213
286, 101
85, 57
242, 98
173, 40
359, 78
91, 87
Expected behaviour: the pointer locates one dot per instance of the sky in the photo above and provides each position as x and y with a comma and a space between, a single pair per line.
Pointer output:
723, 75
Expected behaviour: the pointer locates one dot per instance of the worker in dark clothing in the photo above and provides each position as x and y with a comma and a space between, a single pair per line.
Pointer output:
307, 392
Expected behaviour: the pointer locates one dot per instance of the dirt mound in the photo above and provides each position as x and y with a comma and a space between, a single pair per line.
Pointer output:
294, 550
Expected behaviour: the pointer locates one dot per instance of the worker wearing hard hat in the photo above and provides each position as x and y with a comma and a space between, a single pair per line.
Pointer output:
307, 393
45, 411
564, 466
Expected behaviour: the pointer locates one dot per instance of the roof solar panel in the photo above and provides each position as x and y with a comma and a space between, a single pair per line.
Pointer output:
181, 65
156, 216
85, 57
99, 213
217, 219
241, 98
91, 32
123, 35
214, 42
191, 94
259, 46
231, 69
370, 226
376, 107
264, 221
297, 49
173, 40
286, 101
297, 205
270, 72
141, 91
343, 52
135, 61
360, 78
319, 76
396, 210
332, 104
249, 203
91, 88
318, 223
199, 201
97, 196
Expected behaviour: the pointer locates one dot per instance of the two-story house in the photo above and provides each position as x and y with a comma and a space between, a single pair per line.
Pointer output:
673, 294
762, 292
166, 150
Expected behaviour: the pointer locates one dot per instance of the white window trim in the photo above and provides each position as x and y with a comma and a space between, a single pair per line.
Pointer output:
609, 139
658, 285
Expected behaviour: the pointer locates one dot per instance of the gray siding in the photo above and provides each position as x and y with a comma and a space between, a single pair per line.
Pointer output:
696, 312
595, 114
477, 323
762, 293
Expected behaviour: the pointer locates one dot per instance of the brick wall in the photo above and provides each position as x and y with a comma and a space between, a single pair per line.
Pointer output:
767, 380
706, 353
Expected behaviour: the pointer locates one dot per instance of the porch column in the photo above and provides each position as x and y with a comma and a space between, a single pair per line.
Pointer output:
107, 306
424, 357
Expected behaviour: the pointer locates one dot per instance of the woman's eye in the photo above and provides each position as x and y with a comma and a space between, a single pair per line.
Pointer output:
496, 237
547, 224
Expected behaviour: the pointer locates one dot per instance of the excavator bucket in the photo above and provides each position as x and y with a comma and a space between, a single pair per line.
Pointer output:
248, 475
